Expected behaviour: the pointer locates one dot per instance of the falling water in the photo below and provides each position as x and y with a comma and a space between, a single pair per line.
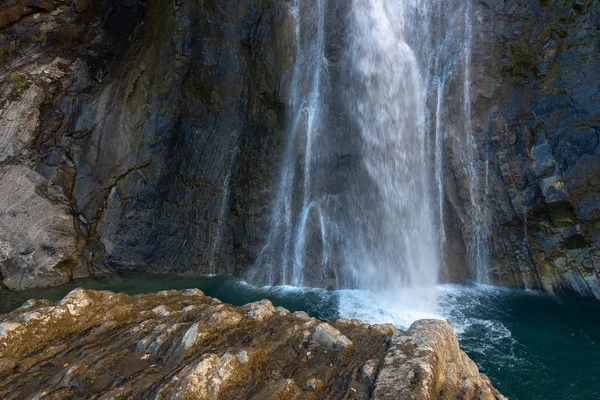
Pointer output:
480, 255
401, 250
282, 258
439, 179
218, 236
361, 115
313, 113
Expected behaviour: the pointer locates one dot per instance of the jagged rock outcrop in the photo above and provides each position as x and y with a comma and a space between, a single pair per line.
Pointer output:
535, 114
40, 42
182, 344
426, 362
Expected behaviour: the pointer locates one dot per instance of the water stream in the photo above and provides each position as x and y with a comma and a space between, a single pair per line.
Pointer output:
358, 204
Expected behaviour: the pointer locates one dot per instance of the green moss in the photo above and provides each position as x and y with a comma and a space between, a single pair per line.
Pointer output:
522, 59
39, 39
20, 84
6, 51
568, 20
545, 3
546, 31
562, 214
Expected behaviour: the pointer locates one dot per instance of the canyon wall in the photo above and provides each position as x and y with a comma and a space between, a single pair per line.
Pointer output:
535, 115
150, 135
138, 135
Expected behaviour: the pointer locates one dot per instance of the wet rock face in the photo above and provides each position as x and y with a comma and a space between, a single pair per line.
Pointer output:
536, 123
182, 344
178, 150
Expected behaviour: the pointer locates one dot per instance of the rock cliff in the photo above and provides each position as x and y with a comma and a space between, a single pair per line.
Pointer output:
150, 135
535, 115
182, 344
137, 133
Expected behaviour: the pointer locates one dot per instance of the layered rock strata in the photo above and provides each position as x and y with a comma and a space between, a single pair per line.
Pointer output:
182, 344
137, 135
535, 146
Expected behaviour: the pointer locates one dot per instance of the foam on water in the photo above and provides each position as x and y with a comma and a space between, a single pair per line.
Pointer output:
402, 309
475, 316
457, 302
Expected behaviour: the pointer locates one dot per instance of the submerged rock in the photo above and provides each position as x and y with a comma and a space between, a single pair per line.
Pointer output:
183, 344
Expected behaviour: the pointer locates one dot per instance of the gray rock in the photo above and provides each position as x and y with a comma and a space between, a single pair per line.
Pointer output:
329, 337
534, 118
37, 231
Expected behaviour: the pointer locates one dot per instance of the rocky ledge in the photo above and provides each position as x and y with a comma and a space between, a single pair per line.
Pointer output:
185, 345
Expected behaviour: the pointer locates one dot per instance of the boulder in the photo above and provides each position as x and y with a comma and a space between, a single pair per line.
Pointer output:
426, 363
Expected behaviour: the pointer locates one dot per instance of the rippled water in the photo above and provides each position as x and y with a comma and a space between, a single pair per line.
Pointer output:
532, 345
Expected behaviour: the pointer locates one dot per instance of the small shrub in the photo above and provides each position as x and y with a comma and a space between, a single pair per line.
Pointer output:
6, 51
39, 39
20, 84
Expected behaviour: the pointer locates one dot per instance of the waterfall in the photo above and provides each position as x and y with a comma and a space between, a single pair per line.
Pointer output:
359, 201
389, 106
282, 258
218, 236
479, 250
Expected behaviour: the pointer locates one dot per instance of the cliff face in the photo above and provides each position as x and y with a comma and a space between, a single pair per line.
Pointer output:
536, 129
174, 345
137, 134
151, 135
43, 64
189, 125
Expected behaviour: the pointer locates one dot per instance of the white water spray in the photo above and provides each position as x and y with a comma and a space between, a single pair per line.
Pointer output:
379, 231
402, 250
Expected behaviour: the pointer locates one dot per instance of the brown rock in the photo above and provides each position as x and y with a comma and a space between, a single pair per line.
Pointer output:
184, 345
426, 363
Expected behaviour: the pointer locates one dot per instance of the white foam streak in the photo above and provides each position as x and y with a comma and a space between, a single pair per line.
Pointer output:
401, 309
